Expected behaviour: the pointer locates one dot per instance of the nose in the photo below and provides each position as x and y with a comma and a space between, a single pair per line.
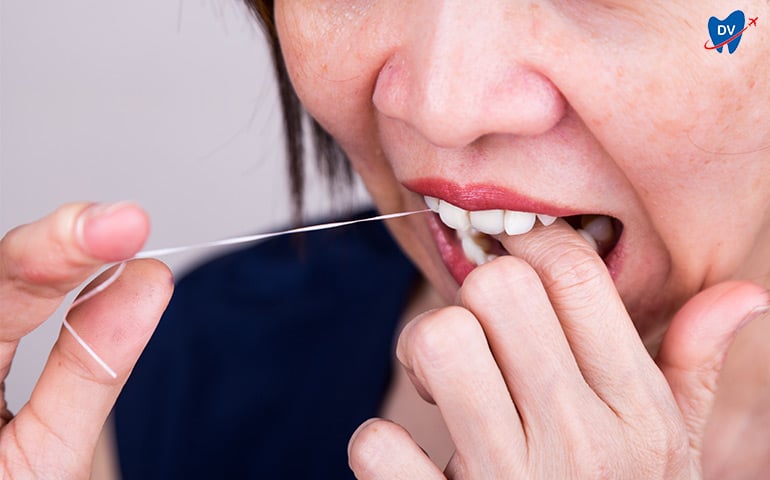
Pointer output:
461, 72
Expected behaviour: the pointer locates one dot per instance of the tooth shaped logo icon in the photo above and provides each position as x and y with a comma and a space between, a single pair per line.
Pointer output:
727, 32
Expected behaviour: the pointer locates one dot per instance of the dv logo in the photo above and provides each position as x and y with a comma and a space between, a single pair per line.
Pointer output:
728, 31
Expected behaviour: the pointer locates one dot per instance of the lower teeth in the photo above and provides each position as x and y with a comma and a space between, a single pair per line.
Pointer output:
476, 253
598, 230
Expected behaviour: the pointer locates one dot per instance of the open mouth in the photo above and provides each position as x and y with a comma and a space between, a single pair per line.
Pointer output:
467, 238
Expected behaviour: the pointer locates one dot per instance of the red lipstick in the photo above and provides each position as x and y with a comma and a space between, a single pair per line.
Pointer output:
485, 197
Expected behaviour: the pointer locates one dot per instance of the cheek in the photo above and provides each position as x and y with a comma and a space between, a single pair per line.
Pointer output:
693, 143
333, 54
707, 144
697, 173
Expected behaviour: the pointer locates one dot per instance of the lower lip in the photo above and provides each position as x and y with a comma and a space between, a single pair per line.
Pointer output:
450, 249
459, 266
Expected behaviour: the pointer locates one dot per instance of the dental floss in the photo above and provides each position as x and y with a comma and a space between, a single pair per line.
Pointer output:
262, 236
95, 291
218, 243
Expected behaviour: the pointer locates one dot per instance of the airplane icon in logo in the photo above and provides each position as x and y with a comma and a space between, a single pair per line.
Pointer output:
720, 30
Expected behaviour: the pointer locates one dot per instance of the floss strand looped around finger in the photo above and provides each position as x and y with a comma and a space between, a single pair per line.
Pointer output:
168, 251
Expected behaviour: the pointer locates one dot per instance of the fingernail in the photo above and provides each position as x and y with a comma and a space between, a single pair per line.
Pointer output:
90, 218
761, 311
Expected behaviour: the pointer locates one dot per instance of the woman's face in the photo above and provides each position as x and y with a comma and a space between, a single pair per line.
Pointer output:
611, 108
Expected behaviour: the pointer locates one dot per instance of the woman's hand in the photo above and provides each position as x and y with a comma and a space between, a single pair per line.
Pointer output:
540, 373
54, 434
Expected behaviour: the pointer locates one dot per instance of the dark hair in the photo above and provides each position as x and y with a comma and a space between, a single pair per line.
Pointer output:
331, 160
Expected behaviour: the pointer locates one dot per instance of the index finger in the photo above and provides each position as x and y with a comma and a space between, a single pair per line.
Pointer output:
601, 335
40, 262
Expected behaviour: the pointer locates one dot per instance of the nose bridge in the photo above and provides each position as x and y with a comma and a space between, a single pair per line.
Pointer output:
454, 49
466, 75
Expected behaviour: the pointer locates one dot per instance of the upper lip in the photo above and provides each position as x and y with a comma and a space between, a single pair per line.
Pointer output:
474, 197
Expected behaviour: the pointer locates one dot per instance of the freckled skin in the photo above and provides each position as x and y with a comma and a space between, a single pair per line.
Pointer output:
645, 124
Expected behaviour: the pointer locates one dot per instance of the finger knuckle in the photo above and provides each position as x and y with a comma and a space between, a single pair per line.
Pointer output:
571, 272
573, 267
367, 445
661, 439
31, 274
439, 336
667, 445
595, 470
498, 279
74, 361
593, 458
41, 253
33, 278
598, 468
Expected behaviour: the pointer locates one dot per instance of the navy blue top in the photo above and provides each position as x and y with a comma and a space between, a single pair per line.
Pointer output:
267, 359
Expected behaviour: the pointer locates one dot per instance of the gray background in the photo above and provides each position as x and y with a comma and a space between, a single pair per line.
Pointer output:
170, 103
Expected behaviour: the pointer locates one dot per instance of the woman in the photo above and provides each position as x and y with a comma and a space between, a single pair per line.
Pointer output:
580, 354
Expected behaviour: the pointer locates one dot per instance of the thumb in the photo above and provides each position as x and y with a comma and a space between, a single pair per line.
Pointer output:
695, 346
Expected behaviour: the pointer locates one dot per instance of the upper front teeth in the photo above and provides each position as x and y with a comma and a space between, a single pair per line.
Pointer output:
546, 219
517, 223
432, 203
491, 222
454, 217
